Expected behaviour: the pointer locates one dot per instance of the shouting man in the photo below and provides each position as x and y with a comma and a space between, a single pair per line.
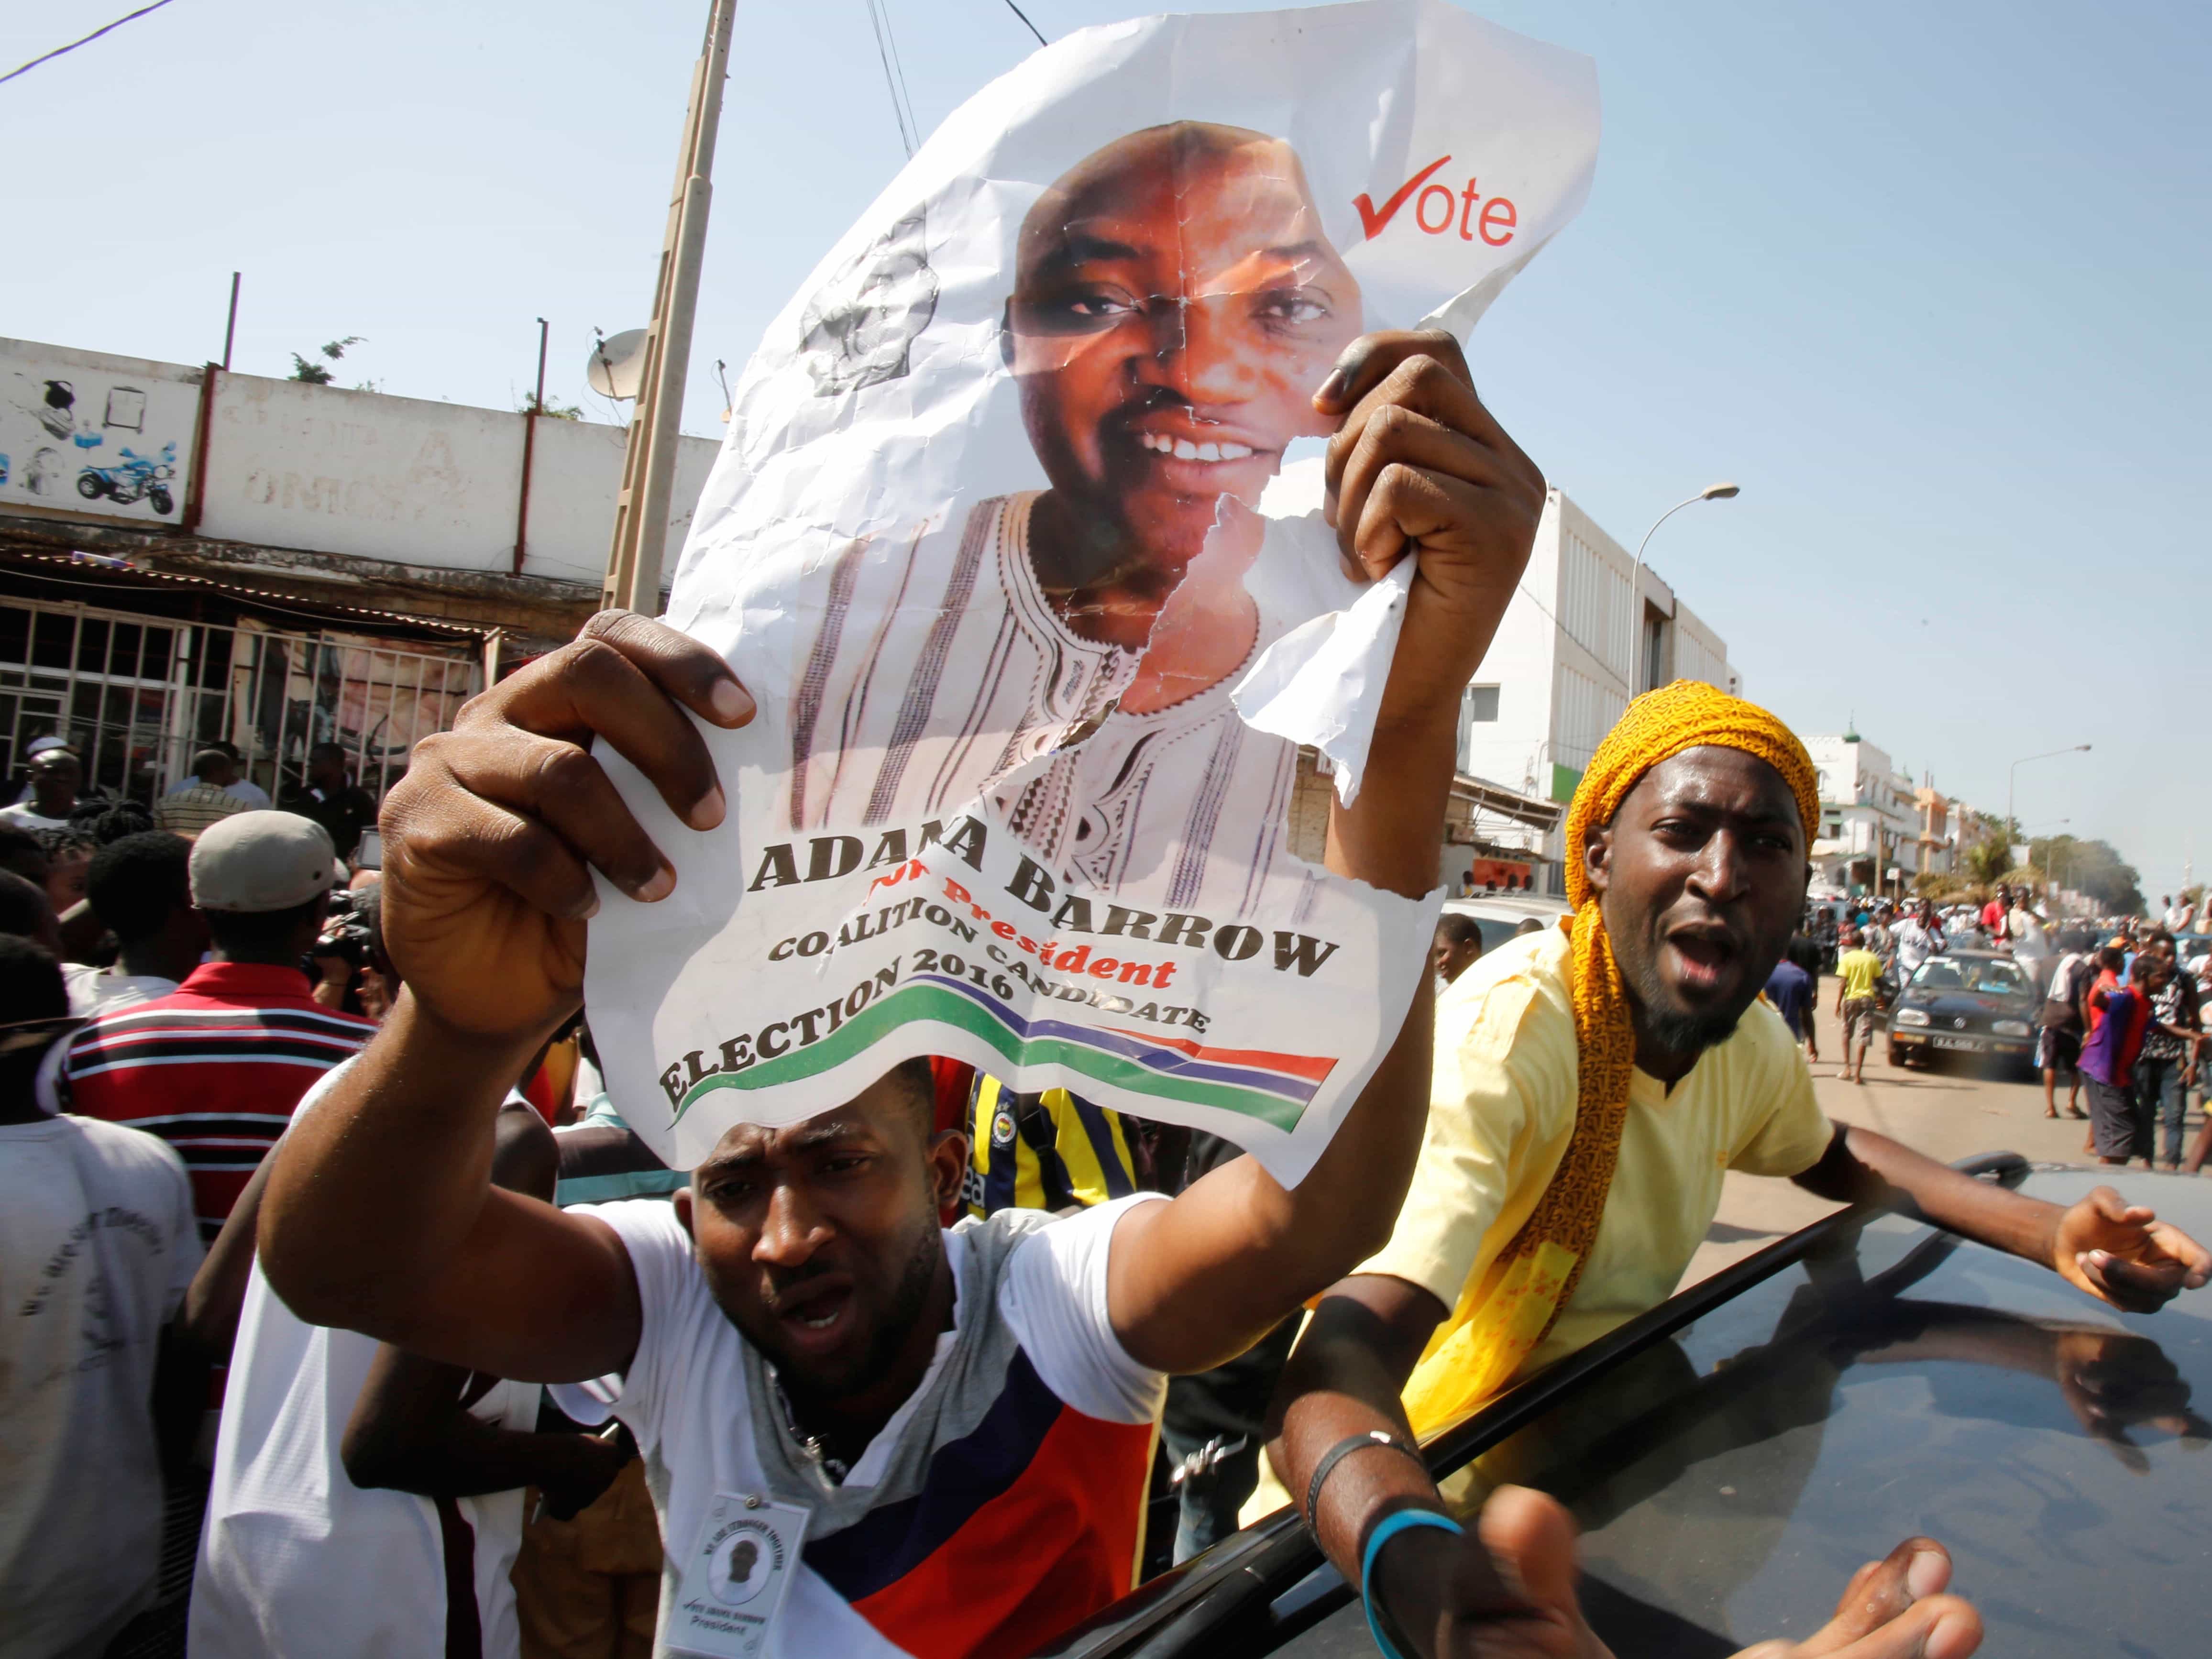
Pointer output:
1592, 1085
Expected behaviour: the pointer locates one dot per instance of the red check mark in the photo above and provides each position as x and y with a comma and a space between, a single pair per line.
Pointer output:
1373, 221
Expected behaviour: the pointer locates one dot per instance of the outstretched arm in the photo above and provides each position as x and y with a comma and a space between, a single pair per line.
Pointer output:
1418, 466
381, 1214
2118, 1254
412, 1430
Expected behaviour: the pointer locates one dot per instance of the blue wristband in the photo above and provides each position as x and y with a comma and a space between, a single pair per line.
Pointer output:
1385, 1529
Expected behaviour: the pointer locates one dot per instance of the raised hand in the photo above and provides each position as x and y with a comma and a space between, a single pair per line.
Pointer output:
2122, 1254
490, 836
1420, 467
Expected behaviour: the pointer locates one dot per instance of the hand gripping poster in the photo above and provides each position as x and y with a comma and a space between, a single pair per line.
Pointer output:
988, 542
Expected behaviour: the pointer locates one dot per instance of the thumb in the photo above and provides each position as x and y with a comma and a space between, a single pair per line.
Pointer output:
1532, 1540
2110, 1204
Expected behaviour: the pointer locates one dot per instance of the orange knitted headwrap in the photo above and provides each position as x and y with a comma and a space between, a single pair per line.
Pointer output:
1499, 1322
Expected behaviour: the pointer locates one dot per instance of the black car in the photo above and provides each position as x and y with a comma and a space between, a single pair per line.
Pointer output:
1965, 1002
1732, 1456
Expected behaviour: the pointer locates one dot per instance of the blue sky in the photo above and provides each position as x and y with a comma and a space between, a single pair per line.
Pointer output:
1926, 281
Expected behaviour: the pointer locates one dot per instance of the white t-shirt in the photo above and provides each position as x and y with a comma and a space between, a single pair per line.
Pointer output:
26, 812
1001, 1502
102, 990
93, 991
97, 1248
294, 1558
1915, 945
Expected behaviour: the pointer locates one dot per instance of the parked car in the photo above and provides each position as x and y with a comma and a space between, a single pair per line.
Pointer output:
1965, 1002
1733, 1454
1499, 915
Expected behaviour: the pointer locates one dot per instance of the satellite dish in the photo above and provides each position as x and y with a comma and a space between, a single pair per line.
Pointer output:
615, 367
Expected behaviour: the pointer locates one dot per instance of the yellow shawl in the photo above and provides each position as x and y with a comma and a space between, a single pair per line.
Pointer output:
1506, 1312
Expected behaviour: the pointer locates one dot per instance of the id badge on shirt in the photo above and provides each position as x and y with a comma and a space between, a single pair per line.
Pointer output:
736, 1578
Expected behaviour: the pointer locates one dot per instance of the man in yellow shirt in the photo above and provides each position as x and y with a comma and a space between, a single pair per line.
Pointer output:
1858, 971
1590, 1087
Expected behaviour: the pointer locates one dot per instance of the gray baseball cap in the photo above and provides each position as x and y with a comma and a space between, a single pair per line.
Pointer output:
259, 861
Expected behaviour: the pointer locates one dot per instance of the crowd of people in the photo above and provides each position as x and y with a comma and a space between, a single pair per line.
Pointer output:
351, 1317
2138, 1071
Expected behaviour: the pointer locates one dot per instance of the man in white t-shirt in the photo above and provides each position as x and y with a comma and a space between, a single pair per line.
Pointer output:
865, 1436
1917, 937
140, 887
939, 1441
97, 1247
355, 1485
2031, 946
55, 775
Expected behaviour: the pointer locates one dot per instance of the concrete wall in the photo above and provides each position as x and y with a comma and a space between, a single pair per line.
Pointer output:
89, 435
419, 483
1514, 749
322, 470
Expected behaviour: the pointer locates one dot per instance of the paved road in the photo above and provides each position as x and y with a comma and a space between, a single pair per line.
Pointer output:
1948, 1113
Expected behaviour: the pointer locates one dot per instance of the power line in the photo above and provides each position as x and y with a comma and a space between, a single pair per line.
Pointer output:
47, 58
1025, 16
898, 69
884, 50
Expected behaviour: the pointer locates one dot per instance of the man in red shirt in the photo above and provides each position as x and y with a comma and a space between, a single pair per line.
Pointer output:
215, 1067
1993, 913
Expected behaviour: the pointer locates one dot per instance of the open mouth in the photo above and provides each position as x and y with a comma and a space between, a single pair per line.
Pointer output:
1705, 956
815, 1310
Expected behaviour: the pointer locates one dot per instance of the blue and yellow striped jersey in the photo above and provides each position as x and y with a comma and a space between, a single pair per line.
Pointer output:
1042, 1151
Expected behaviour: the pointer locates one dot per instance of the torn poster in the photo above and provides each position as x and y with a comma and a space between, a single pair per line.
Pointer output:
989, 544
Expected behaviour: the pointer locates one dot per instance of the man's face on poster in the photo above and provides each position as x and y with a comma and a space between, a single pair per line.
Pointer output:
1175, 304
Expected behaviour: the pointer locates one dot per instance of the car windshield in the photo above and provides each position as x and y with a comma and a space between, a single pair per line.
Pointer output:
1992, 975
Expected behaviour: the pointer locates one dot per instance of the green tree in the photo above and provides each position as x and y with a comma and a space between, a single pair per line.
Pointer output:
314, 374
2094, 867
549, 410
1989, 859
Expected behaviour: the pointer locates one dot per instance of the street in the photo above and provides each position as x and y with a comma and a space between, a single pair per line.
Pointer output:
1953, 1113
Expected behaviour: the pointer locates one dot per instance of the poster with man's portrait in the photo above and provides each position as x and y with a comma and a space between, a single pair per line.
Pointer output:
988, 543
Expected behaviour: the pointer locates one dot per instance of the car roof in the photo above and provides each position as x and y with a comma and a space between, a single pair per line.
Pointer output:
1776, 1408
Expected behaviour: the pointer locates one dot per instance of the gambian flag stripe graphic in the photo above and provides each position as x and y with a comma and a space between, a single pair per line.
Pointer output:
1272, 1088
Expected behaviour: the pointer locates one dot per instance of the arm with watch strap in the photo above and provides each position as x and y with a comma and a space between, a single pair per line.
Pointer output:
1506, 1587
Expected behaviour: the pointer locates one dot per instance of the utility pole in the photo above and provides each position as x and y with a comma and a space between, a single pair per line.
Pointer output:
529, 449
641, 535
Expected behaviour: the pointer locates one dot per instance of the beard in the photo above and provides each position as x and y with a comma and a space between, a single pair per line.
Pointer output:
1678, 1030
909, 1298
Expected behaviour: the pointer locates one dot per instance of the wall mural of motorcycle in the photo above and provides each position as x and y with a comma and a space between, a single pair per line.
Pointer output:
132, 478
118, 429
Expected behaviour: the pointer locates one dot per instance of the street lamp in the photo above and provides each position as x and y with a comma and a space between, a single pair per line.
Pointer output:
1719, 492
2073, 748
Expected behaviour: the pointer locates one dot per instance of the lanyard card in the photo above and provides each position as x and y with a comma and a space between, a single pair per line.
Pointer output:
737, 1576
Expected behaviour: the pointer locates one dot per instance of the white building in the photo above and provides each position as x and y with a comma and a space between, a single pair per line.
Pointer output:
1872, 822
1559, 674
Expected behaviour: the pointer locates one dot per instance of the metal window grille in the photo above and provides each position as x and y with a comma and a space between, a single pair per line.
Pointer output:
138, 695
